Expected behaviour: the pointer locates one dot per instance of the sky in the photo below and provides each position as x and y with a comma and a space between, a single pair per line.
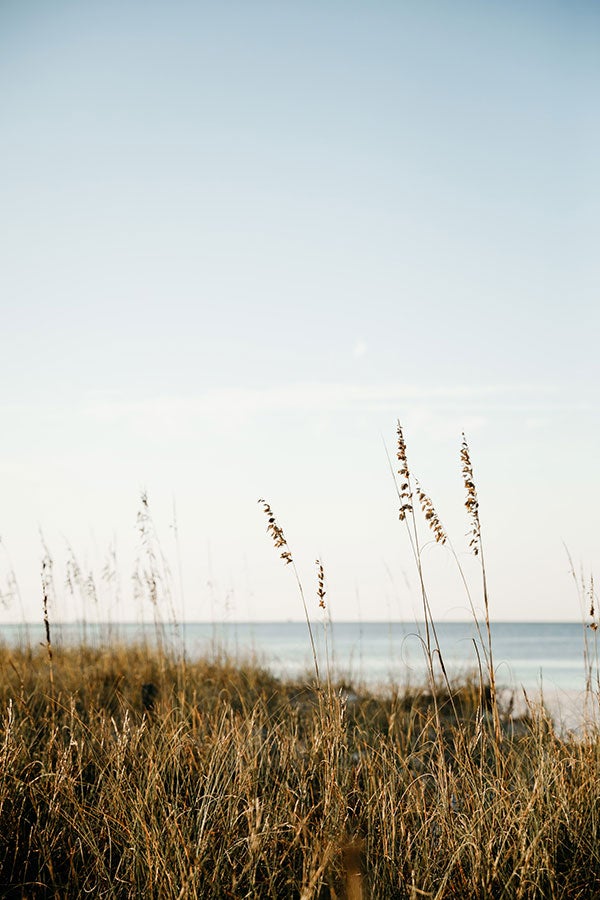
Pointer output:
238, 242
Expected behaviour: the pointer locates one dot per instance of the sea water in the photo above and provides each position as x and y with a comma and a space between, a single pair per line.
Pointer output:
528, 655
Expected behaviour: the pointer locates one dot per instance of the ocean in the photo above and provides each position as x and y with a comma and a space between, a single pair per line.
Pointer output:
528, 657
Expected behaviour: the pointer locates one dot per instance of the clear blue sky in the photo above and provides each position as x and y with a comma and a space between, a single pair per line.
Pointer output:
239, 239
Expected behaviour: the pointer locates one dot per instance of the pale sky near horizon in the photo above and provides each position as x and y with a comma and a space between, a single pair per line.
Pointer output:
239, 240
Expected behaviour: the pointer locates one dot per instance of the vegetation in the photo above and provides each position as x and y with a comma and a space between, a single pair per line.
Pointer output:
131, 771
133, 776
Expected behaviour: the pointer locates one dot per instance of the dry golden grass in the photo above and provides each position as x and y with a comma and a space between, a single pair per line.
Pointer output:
233, 784
127, 771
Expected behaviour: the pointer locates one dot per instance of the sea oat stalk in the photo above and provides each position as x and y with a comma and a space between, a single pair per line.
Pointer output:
407, 515
46, 588
441, 537
322, 605
476, 545
280, 543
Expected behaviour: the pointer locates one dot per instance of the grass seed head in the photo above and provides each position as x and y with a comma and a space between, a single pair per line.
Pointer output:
404, 473
276, 533
320, 583
593, 624
431, 517
471, 502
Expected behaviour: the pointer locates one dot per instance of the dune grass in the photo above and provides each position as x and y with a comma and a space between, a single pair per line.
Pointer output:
234, 784
131, 771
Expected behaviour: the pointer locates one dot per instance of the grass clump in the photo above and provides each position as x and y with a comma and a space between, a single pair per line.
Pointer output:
236, 784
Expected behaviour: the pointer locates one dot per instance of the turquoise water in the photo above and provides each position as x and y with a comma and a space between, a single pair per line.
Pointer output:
529, 655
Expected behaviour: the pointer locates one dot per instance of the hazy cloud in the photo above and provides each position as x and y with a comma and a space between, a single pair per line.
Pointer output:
319, 398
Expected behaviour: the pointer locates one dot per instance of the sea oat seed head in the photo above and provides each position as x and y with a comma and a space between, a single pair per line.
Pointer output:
276, 533
471, 502
405, 491
431, 516
320, 583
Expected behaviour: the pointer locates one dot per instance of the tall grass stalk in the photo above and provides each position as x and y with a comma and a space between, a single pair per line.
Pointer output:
46, 587
405, 495
476, 543
280, 543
